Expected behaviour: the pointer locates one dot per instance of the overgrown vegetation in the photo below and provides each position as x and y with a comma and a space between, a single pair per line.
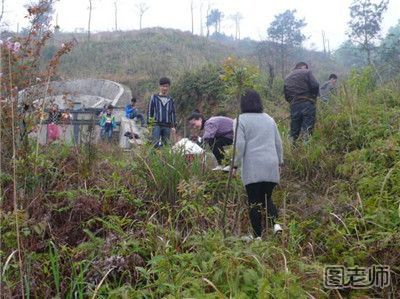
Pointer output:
94, 221
147, 224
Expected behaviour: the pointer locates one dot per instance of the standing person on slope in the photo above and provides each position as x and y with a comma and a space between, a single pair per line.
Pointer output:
162, 112
301, 90
259, 153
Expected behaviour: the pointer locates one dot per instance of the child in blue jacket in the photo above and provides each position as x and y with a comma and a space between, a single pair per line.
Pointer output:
132, 112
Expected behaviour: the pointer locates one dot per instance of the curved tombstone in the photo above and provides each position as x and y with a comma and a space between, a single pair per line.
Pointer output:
83, 97
90, 92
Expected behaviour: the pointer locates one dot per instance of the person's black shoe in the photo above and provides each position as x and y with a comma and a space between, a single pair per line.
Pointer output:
129, 135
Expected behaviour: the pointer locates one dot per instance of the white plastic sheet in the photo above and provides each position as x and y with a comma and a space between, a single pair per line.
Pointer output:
187, 147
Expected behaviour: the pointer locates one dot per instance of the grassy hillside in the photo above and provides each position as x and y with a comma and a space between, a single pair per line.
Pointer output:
139, 58
95, 221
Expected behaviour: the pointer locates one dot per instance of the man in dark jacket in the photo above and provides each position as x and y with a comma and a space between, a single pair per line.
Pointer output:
162, 113
301, 90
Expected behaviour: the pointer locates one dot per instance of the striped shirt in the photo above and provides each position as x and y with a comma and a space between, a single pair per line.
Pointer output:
162, 109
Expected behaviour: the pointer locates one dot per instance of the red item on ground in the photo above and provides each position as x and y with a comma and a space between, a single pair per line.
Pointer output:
53, 132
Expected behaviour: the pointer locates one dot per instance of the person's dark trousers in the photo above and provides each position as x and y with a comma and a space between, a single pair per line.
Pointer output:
140, 117
302, 116
163, 132
107, 132
217, 147
257, 194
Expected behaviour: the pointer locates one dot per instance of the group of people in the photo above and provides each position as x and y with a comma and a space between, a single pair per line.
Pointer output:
258, 150
161, 115
108, 122
301, 90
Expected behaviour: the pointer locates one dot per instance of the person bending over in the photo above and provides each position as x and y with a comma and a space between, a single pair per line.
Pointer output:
218, 132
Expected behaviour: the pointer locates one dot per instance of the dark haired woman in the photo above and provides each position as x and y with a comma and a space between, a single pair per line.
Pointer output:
218, 132
260, 155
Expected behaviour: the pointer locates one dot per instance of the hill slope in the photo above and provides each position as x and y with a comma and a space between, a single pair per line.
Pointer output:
139, 58
141, 54
147, 224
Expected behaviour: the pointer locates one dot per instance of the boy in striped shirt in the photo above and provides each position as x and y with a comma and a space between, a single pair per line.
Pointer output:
161, 112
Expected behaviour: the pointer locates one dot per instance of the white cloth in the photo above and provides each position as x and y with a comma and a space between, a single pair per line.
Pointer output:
187, 147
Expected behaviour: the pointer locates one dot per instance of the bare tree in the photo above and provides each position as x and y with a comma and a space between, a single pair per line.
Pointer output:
116, 14
236, 18
201, 19
2, 10
208, 24
191, 12
329, 48
266, 53
324, 41
220, 16
56, 27
90, 17
142, 8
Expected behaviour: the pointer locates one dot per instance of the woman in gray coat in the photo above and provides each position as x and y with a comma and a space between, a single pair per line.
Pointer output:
260, 155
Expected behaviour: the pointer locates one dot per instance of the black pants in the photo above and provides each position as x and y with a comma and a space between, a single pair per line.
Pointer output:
258, 193
302, 116
140, 117
217, 146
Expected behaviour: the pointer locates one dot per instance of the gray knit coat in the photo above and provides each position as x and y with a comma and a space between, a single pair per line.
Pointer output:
258, 148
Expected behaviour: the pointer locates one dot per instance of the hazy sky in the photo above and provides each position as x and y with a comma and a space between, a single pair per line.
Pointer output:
328, 15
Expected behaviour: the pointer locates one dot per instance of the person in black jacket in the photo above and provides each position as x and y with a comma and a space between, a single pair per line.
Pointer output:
301, 91
161, 112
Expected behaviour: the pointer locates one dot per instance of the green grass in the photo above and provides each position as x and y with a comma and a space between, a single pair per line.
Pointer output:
147, 224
